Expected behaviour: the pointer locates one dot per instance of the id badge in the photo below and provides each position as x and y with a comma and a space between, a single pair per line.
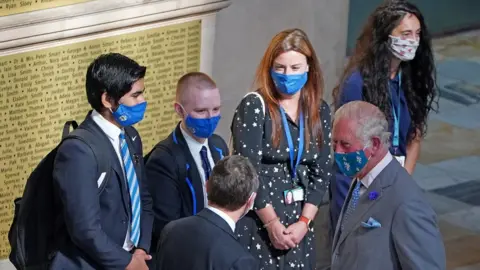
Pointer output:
293, 195
401, 160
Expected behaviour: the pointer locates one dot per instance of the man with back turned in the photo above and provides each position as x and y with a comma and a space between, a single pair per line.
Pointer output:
207, 240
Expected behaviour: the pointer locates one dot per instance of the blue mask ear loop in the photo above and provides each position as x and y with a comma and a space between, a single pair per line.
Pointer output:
185, 116
112, 110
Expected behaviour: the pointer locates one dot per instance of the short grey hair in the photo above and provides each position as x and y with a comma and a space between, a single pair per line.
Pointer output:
370, 121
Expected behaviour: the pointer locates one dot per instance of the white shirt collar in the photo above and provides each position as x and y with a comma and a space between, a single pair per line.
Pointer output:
112, 131
193, 144
223, 215
367, 180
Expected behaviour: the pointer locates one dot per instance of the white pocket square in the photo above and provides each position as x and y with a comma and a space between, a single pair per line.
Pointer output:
371, 223
101, 179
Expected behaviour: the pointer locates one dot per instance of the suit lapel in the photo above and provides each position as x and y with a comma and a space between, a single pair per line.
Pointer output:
115, 163
379, 185
340, 220
364, 204
192, 173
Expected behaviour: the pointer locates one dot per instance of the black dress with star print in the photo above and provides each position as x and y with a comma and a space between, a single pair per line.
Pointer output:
251, 136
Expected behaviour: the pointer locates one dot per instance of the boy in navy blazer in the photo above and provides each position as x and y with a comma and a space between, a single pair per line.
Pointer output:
107, 214
179, 166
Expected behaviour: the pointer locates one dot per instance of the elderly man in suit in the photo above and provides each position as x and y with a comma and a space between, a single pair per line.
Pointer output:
207, 240
385, 223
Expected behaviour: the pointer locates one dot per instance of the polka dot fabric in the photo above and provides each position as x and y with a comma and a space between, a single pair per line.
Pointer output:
251, 135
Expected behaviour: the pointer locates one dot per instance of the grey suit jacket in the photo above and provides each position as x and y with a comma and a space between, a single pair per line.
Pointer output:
408, 238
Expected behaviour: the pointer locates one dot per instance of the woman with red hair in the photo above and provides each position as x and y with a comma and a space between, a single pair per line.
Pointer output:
284, 129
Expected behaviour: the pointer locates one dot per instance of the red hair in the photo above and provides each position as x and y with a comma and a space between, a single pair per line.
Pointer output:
312, 93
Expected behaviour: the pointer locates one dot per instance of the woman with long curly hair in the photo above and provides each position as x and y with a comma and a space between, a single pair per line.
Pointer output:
284, 129
393, 68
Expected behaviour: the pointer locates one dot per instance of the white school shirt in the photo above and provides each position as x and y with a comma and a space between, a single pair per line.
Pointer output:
113, 134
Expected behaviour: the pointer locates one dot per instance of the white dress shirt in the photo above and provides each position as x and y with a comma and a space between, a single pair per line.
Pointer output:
223, 215
368, 179
113, 133
195, 147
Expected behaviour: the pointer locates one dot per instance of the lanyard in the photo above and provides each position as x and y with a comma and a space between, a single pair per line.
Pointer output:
396, 114
301, 138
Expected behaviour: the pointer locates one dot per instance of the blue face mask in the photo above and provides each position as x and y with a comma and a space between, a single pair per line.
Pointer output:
202, 127
350, 164
129, 115
289, 84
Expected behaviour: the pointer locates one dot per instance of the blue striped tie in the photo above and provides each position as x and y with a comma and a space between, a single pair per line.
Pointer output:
133, 189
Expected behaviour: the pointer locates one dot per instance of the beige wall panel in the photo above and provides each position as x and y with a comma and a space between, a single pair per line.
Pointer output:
41, 89
9, 7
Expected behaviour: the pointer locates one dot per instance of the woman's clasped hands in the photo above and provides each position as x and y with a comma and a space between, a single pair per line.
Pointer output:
284, 238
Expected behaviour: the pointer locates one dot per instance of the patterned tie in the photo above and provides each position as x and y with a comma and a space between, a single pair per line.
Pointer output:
205, 163
133, 190
352, 204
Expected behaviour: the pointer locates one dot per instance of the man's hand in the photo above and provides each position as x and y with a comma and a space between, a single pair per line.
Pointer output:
278, 237
297, 231
138, 260
142, 253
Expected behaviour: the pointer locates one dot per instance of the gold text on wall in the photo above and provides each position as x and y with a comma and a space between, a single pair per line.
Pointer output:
40, 90
10, 7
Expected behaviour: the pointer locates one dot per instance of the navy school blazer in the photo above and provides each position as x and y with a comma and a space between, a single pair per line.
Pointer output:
95, 225
174, 181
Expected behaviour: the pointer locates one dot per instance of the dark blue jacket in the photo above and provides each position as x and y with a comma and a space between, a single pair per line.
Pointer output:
202, 242
96, 224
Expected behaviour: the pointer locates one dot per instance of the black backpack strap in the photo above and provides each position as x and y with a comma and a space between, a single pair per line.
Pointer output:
99, 150
66, 128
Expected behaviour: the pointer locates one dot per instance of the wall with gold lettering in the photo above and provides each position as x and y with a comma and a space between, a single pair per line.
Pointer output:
9, 7
41, 89
44, 54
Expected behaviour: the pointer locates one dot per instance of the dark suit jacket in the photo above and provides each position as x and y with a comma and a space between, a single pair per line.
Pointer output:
409, 237
202, 242
96, 224
174, 194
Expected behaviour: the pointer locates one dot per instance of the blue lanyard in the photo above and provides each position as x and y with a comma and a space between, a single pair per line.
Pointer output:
396, 115
293, 163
